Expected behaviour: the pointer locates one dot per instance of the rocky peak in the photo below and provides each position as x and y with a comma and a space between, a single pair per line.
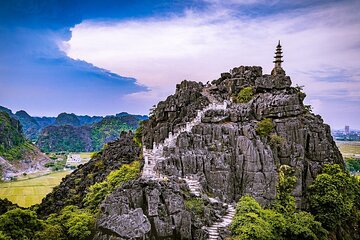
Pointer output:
67, 119
226, 150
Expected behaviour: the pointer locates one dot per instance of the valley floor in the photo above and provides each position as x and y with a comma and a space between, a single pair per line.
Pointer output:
349, 148
30, 191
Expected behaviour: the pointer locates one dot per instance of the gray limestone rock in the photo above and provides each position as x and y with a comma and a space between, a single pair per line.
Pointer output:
225, 149
148, 209
132, 225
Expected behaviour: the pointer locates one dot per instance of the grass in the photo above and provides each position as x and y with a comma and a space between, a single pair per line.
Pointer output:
86, 154
30, 191
349, 149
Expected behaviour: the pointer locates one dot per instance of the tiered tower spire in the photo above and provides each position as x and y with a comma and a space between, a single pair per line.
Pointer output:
278, 60
278, 56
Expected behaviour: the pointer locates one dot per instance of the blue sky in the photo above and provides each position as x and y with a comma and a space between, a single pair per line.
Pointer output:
104, 57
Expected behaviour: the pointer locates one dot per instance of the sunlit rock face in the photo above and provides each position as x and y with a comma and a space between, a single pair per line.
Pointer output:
226, 151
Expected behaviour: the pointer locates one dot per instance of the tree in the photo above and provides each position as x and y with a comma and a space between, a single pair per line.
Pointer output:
285, 201
250, 221
20, 224
334, 198
51, 232
71, 223
302, 225
99, 191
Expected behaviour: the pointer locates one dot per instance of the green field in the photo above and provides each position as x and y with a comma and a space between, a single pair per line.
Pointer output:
30, 191
349, 149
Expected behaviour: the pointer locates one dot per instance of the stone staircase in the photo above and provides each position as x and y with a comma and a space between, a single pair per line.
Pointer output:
194, 186
225, 221
155, 155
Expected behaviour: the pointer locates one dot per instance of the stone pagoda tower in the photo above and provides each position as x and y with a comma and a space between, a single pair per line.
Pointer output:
277, 70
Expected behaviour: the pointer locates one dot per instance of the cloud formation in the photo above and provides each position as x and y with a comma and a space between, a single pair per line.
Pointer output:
321, 49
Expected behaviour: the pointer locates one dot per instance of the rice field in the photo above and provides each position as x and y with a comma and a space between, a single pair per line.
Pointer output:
30, 191
349, 149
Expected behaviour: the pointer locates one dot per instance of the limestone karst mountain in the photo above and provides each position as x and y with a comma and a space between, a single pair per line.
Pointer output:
203, 148
225, 139
226, 150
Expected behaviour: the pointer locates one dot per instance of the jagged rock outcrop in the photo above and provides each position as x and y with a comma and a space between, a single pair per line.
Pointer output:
225, 150
74, 186
176, 110
151, 209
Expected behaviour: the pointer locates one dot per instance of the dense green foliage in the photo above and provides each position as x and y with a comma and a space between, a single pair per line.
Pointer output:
253, 222
65, 138
195, 205
264, 127
108, 130
99, 191
13, 144
353, 164
285, 201
71, 223
20, 224
30, 126
245, 95
84, 138
334, 204
334, 198
138, 134
56, 165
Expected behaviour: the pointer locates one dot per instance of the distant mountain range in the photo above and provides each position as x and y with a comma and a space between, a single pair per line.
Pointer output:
70, 132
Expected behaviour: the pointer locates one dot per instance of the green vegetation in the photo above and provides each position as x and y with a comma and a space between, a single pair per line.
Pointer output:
253, 222
19, 224
71, 223
108, 130
56, 165
334, 200
13, 144
282, 221
353, 164
264, 127
138, 134
31, 191
245, 95
196, 206
64, 138
285, 201
276, 140
67, 119
308, 108
334, 205
99, 191
84, 138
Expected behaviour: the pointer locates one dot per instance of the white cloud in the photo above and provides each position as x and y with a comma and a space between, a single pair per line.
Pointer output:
160, 52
